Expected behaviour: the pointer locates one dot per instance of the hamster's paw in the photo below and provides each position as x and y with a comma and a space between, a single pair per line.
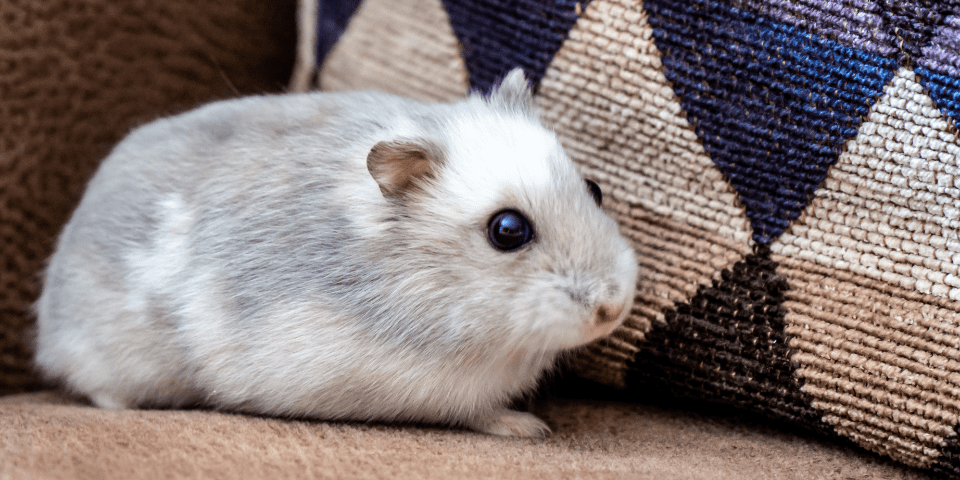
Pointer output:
511, 423
107, 401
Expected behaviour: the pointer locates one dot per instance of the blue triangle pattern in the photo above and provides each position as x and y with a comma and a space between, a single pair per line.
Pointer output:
772, 104
944, 90
498, 35
332, 19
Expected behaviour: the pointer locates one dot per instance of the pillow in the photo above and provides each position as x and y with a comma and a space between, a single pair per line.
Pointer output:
787, 171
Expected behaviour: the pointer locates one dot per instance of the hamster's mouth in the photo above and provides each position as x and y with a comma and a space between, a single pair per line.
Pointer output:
598, 331
605, 319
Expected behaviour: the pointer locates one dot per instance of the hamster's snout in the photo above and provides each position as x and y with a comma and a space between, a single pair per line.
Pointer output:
605, 297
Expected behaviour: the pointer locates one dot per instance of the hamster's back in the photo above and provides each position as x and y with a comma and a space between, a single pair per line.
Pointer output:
192, 202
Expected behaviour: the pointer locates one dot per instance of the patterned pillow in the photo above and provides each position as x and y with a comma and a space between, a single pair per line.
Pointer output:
787, 170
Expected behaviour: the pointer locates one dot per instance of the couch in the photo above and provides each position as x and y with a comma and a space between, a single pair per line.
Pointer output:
74, 78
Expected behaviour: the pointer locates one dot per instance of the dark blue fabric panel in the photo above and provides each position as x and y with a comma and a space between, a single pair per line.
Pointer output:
497, 35
944, 90
332, 19
772, 104
912, 23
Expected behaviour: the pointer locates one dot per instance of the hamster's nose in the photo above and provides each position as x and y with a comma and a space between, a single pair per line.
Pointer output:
606, 318
609, 313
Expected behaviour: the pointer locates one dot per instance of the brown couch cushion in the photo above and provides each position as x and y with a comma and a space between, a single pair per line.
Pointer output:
75, 76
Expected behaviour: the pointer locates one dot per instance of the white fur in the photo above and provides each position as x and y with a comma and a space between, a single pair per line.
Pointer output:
241, 256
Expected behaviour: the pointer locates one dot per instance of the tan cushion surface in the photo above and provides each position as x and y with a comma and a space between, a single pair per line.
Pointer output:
46, 435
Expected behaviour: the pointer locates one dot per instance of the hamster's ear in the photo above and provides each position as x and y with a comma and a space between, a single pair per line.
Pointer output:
513, 91
399, 166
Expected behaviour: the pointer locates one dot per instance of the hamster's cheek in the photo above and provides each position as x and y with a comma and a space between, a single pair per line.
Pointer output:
552, 320
627, 267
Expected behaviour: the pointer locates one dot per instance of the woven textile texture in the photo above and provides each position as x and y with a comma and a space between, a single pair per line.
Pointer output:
402, 47
497, 35
789, 174
332, 18
75, 77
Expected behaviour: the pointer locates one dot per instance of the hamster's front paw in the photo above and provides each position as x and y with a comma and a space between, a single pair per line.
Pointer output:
109, 401
511, 423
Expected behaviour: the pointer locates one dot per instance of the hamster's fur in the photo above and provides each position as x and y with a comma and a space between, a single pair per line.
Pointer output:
326, 255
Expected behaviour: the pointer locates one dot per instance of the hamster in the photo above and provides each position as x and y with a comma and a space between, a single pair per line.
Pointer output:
338, 256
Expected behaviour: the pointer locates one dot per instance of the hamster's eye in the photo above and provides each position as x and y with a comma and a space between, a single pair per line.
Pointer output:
509, 230
595, 191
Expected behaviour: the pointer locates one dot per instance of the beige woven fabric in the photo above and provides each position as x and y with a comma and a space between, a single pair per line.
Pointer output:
879, 361
75, 77
607, 98
889, 207
406, 48
305, 65
873, 267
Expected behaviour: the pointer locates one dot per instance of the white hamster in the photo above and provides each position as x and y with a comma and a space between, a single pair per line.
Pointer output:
339, 256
